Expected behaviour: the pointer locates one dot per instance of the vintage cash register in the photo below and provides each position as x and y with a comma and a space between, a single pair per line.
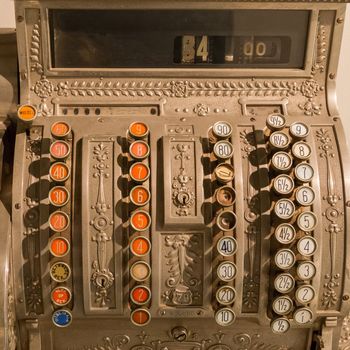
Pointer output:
175, 176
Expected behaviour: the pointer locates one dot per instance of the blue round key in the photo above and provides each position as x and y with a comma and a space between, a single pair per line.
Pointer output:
62, 318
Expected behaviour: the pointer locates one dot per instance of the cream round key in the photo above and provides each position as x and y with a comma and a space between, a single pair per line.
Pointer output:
225, 317
284, 209
282, 305
279, 140
306, 270
225, 295
304, 172
224, 173
301, 150
276, 121
303, 316
282, 161
284, 259
223, 149
285, 233
305, 195
227, 246
299, 130
305, 294
307, 246
283, 184
284, 283
226, 271
222, 129
280, 325
307, 221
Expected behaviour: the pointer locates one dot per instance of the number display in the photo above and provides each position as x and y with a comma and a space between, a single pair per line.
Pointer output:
284, 209
284, 283
276, 121
283, 184
285, 233
280, 325
282, 161
306, 270
222, 129
305, 294
227, 246
223, 149
225, 295
279, 140
307, 246
227, 271
303, 316
301, 150
285, 259
304, 172
225, 317
305, 195
282, 305
299, 130
307, 221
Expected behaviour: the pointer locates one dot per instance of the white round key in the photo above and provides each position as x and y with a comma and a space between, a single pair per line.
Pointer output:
307, 221
306, 270
304, 172
227, 271
284, 259
280, 325
279, 140
222, 129
227, 246
307, 246
303, 316
285, 233
284, 209
283, 184
282, 161
223, 149
282, 305
225, 317
301, 150
276, 121
305, 195
225, 295
299, 130
284, 283
305, 294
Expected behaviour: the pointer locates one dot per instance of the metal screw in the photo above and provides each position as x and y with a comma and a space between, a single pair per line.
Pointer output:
332, 76
20, 18
346, 297
348, 203
179, 334
340, 20
18, 206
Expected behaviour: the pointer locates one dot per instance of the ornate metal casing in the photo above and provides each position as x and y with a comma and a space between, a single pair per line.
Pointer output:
187, 208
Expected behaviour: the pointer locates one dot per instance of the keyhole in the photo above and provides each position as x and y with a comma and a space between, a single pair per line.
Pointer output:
183, 198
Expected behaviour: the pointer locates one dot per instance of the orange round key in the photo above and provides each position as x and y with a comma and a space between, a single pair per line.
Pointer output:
140, 295
139, 149
59, 247
59, 172
60, 129
140, 317
61, 296
140, 220
27, 113
59, 149
138, 129
58, 221
139, 172
140, 195
58, 196
140, 246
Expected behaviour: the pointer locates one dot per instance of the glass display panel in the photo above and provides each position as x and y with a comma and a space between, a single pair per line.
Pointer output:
178, 38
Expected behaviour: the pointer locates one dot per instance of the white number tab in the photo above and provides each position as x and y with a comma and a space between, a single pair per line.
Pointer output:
307, 221
305, 294
222, 129
223, 150
301, 150
225, 295
284, 282
305, 195
225, 317
279, 140
284, 209
307, 246
282, 161
282, 305
227, 271
285, 233
303, 316
285, 259
306, 270
304, 172
276, 121
280, 325
227, 246
299, 130
283, 184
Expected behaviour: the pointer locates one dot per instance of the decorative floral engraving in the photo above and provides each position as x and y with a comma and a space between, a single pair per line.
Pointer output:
35, 54
201, 110
11, 316
250, 285
182, 258
344, 342
116, 342
180, 89
310, 88
250, 342
102, 278
332, 214
183, 194
311, 108
321, 51
43, 88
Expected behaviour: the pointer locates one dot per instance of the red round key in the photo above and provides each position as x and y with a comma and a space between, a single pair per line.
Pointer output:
59, 247
59, 221
140, 317
59, 196
138, 129
140, 220
139, 149
139, 172
61, 296
59, 172
60, 149
140, 195
60, 129
140, 246
140, 295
